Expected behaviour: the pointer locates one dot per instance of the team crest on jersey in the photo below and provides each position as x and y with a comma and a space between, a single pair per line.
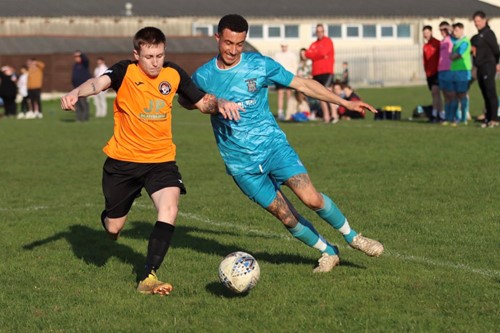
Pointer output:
252, 85
165, 88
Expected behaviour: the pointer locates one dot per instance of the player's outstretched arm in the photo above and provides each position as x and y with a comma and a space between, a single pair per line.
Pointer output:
90, 87
209, 104
316, 90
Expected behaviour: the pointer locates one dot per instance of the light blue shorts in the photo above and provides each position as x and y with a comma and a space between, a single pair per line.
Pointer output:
461, 81
445, 80
262, 187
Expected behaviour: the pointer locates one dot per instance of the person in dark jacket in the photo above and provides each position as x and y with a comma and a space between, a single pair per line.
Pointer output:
81, 74
8, 90
486, 55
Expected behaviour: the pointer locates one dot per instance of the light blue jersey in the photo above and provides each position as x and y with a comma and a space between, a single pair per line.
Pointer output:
245, 145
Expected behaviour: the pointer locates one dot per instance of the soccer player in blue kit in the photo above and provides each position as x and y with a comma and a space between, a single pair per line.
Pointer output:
255, 150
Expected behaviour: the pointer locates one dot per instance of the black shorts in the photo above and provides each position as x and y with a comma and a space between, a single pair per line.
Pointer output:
280, 87
433, 81
122, 182
34, 94
325, 79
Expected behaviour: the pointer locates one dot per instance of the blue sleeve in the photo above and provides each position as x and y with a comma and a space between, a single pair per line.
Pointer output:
277, 73
462, 48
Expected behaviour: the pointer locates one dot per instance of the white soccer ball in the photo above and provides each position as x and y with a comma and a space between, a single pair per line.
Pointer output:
239, 272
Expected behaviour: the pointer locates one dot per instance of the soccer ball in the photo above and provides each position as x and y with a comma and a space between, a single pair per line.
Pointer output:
239, 272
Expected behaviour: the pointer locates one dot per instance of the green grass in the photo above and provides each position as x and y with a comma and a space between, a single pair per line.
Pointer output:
429, 193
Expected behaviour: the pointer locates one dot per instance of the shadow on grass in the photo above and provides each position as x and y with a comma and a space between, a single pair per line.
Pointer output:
200, 240
94, 248
217, 289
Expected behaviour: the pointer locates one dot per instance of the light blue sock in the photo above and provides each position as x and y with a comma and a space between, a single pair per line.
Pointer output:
447, 112
464, 102
453, 109
331, 214
309, 236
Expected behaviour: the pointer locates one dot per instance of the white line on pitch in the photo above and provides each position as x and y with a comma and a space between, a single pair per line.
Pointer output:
269, 234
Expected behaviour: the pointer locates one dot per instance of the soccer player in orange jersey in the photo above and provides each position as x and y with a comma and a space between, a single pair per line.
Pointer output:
141, 152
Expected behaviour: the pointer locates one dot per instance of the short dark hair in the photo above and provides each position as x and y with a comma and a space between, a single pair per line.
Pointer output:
148, 36
427, 27
479, 13
233, 22
458, 25
443, 23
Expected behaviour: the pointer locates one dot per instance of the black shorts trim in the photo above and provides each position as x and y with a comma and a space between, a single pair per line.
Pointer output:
123, 181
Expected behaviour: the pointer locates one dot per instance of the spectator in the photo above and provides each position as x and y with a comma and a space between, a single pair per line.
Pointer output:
304, 70
22, 89
322, 54
431, 61
461, 66
8, 90
289, 61
350, 95
345, 73
80, 75
486, 55
101, 108
35, 82
444, 73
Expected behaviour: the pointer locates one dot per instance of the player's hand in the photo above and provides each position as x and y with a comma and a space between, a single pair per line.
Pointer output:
229, 110
360, 106
68, 102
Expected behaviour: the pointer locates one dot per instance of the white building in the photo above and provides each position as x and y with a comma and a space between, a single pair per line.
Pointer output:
380, 39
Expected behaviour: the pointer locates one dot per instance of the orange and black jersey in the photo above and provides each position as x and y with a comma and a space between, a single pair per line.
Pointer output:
143, 111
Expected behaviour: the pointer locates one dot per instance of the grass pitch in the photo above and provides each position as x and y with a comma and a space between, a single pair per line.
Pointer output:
429, 193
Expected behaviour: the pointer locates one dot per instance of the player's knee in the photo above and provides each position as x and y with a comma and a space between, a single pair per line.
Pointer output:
168, 214
115, 225
289, 220
314, 202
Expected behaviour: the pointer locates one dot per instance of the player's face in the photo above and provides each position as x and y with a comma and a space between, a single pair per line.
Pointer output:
230, 47
150, 58
479, 22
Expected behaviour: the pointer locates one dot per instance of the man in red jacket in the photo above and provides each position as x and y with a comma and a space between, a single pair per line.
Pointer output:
431, 60
321, 52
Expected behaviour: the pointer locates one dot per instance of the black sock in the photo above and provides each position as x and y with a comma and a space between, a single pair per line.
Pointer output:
159, 242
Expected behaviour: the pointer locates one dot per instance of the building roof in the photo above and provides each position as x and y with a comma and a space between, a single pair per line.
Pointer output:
255, 8
63, 44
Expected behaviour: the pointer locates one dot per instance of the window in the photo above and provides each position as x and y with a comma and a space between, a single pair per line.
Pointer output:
352, 31
291, 31
256, 31
387, 31
274, 31
404, 31
369, 31
335, 31
313, 31
204, 29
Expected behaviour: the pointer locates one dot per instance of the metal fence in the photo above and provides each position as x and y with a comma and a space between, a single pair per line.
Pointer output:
382, 65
